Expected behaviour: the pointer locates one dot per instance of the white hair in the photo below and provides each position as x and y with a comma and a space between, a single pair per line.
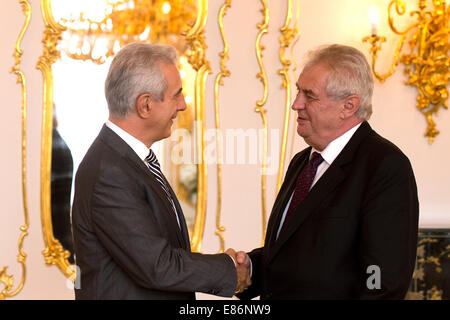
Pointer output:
136, 70
350, 73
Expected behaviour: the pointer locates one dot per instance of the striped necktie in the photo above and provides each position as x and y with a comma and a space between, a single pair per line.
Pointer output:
155, 169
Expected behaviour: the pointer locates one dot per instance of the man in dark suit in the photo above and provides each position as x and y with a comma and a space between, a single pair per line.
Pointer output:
130, 235
344, 224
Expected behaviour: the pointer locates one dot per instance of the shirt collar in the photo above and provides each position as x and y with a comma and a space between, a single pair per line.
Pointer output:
138, 146
335, 147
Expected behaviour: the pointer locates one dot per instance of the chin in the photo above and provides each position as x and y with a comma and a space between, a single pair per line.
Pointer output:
301, 131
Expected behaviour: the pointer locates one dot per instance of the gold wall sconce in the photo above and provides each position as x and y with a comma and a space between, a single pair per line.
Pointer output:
427, 64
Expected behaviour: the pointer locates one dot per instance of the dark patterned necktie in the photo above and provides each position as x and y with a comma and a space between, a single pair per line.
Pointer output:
303, 184
155, 168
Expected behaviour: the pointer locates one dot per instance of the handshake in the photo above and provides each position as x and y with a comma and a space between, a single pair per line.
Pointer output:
242, 261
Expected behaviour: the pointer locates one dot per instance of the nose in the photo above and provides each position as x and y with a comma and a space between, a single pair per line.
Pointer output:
182, 105
299, 102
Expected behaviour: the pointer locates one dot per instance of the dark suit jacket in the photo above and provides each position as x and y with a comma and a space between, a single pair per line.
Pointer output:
127, 241
363, 211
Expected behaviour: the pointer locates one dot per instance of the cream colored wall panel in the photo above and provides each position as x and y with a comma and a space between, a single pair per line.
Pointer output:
11, 209
41, 282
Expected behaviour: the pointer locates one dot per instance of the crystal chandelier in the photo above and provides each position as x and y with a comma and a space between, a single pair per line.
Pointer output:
153, 21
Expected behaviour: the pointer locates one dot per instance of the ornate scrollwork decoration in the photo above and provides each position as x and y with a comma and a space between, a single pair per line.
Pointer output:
427, 63
263, 29
288, 35
224, 72
196, 57
54, 253
6, 279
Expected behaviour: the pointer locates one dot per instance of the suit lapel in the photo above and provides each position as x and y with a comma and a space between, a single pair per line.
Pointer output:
326, 184
162, 197
283, 197
183, 225
115, 142
323, 187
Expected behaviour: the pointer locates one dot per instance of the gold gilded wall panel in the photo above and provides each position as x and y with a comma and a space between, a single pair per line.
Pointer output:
262, 75
53, 252
6, 279
196, 57
288, 35
224, 72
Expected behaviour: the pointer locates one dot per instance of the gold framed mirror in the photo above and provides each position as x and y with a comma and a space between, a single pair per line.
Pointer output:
57, 251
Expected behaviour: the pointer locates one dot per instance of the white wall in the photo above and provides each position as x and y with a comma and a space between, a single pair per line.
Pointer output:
321, 21
42, 282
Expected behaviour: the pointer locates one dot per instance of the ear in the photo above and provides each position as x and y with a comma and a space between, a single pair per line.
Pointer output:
351, 106
144, 104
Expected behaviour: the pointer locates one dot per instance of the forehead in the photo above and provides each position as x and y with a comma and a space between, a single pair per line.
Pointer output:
314, 78
172, 75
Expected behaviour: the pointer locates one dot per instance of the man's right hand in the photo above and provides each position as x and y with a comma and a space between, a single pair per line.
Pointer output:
242, 262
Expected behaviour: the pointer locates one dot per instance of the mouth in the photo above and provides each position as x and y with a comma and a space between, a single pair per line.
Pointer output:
301, 118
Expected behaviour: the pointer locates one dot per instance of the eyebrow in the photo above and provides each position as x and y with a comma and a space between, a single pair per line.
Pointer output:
178, 92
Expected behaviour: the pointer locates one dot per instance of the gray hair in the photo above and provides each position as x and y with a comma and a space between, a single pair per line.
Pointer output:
350, 73
136, 70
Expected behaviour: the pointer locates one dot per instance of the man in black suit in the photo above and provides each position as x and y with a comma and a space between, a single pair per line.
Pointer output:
130, 235
344, 224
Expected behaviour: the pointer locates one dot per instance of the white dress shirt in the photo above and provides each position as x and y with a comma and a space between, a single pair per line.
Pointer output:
330, 153
138, 146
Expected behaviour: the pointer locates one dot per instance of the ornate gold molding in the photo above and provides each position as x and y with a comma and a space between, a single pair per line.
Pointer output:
196, 57
224, 72
287, 36
54, 253
263, 29
6, 279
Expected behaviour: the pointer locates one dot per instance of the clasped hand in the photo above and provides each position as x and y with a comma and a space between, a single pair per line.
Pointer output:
242, 261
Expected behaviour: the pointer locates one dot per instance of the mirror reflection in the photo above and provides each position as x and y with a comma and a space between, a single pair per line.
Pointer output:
95, 31
61, 187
